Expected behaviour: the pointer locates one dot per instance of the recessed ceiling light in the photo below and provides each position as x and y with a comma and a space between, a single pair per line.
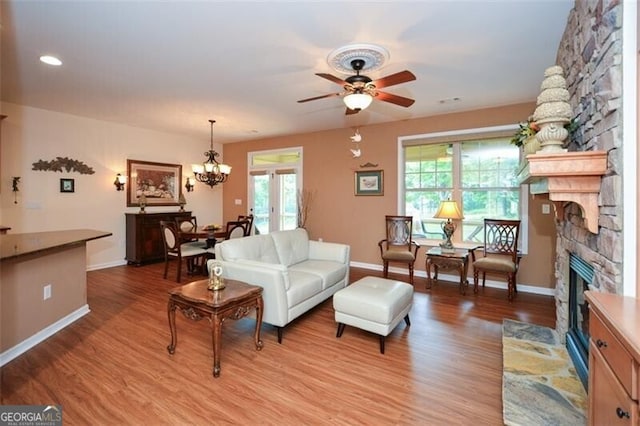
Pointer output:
51, 60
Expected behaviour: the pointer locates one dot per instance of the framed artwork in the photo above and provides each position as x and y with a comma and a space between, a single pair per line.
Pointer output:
369, 182
67, 185
159, 182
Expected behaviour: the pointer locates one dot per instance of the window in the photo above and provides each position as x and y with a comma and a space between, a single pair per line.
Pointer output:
478, 169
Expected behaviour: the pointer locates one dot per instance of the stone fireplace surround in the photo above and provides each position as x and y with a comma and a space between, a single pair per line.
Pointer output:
590, 53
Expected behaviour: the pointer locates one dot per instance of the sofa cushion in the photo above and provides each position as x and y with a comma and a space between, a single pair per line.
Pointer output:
257, 247
292, 245
330, 272
302, 286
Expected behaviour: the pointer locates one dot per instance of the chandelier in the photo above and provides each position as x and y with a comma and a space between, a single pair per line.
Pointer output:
211, 172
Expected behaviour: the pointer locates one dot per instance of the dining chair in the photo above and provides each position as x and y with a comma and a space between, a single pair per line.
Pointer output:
250, 219
499, 253
398, 246
189, 224
237, 229
173, 248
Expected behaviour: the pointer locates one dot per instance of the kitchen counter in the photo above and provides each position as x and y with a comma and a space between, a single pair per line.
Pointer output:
16, 245
43, 286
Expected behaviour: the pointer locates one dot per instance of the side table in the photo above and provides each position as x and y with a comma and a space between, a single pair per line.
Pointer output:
459, 259
196, 302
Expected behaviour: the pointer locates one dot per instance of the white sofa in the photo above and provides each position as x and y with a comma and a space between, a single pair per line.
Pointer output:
296, 273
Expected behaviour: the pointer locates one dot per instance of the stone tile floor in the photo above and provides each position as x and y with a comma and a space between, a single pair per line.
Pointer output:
539, 385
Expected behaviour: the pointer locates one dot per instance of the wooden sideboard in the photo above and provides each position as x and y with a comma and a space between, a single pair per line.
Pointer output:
144, 238
614, 359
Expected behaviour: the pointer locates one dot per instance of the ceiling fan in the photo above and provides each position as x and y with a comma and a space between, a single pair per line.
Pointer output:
360, 90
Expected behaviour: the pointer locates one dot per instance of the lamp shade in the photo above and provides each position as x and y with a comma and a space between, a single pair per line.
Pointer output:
448, 210
357, 100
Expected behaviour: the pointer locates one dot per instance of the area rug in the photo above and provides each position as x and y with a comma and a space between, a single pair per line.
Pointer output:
539, 383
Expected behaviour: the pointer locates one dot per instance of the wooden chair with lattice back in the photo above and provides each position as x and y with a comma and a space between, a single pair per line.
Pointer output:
399, 246
499, 254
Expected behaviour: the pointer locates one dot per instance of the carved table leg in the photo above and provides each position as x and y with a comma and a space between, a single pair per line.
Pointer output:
171, 313
428, 268
259, 309
462, 277
216, 325
465, 270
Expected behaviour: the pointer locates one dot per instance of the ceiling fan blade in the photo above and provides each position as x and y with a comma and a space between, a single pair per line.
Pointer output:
350, 111
332, 78
319, 97
393, 79
394, 99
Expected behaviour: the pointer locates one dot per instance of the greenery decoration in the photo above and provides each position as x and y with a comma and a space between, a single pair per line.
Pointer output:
525, 131
60, 163
303, 201
530, 128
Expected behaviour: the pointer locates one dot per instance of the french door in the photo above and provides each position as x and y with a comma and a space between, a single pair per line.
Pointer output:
274, 180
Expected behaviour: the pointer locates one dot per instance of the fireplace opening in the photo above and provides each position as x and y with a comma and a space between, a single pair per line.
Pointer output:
580, 276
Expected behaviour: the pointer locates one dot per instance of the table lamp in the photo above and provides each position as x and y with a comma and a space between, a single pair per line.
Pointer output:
448, 210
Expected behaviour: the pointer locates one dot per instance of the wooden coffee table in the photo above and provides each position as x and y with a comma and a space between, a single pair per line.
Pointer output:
196, 302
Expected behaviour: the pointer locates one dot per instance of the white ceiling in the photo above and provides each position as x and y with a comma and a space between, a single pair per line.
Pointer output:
173, 65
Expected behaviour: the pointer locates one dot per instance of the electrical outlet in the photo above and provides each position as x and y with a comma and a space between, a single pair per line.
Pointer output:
238, 202
546, 209
46, 292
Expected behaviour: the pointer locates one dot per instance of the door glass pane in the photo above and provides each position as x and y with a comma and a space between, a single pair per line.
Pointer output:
261, 203
288, 204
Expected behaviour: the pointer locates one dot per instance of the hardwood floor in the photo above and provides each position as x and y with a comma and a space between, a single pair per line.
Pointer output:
112, 366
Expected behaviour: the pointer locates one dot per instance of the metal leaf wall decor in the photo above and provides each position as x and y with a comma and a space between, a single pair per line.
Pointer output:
60, 164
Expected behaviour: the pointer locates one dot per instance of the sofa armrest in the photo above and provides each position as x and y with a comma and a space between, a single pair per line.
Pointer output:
320, 250
272, 277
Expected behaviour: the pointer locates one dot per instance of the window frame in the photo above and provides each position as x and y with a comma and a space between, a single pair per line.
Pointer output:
277, 167
461, 136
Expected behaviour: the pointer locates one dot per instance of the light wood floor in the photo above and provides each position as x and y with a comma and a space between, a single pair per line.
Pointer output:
111, 367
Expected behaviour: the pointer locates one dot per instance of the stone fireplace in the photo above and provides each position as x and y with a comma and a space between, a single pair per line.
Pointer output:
589, 53
585, 183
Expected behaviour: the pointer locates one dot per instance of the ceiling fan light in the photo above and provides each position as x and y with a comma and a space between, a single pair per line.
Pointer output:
357, 101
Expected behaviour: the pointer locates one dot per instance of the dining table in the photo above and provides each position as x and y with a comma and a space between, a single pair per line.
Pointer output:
210, 235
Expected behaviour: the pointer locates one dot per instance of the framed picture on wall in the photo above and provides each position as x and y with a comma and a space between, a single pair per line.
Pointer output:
159, 182
369, 182
67, 185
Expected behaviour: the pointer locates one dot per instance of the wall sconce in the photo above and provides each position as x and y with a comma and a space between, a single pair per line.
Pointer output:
119, 182
14, 188
189, 185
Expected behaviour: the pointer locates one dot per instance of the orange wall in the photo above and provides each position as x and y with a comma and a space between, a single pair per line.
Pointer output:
338, 215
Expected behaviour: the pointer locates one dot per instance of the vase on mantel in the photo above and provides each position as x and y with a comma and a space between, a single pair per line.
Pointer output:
553, 111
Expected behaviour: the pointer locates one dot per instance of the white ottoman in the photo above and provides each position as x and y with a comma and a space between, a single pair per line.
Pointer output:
373, 304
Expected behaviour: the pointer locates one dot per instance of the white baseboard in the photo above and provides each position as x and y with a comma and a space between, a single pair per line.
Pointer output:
524, 288
105, 265
43, 334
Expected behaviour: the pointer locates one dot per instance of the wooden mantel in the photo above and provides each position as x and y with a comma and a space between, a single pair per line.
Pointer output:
568, 177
